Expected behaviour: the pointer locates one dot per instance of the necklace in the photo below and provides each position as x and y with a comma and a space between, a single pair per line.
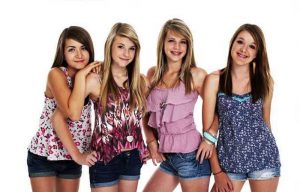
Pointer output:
129, 137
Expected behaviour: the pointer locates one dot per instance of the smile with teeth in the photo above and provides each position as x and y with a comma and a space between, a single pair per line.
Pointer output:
242, 55
176, 52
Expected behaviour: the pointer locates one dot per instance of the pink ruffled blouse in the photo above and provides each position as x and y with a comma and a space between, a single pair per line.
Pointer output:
171, 113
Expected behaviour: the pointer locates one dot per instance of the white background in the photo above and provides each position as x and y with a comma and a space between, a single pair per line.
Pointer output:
29, 34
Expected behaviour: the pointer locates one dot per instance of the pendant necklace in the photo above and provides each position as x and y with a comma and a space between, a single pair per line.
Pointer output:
129, 137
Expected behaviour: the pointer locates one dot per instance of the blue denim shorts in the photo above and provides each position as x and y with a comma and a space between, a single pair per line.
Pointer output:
125, 166
185, 166
256, 175
39, 166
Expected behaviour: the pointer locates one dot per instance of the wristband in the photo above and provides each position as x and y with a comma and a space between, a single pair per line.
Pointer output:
209, 137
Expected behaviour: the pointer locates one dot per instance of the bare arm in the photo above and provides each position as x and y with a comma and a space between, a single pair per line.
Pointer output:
222, 182
59, 122
69, 102
267, 107
151, 139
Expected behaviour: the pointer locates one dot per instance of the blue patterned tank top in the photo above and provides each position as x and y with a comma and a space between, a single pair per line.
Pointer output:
245, 143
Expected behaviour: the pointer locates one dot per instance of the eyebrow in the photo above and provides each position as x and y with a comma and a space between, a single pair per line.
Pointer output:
241, 38
124, 44
72, 46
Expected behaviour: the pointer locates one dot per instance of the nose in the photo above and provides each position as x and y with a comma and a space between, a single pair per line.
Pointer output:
176, 45
126, 52
244, 48
79, 53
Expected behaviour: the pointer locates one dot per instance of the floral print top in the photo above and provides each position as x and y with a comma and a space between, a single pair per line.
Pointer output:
118, 128
245, 143
46, 143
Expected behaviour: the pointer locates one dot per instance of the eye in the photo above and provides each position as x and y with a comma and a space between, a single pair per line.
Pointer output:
239, 41
83, 48
184, 42
171, 40
252, 47
132, 48
71, 50
120, 46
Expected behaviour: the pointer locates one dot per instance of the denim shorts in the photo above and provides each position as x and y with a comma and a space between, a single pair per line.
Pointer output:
39, 166
126, 166
185, 166
256, 175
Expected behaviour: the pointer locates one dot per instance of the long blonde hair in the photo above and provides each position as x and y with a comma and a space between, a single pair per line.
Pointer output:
136, 83
177, 26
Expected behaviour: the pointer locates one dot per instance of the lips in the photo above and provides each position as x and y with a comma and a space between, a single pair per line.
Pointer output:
177, 53
80, 61
242, 55
123, 59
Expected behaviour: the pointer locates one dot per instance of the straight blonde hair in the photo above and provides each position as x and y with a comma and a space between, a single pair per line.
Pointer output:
177, 26
136, 83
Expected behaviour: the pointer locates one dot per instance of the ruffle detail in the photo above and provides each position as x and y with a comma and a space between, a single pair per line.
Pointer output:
170, 105
171, 113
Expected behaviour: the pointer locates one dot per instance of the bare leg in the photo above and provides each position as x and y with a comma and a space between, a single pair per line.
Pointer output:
195, 185
43, 184
161, 181
71, 185
128, 185
106, 189
269, 185
238, 185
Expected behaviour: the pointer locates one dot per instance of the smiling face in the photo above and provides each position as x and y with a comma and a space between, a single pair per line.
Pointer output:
175, 46
123, 51
76, 54
244, 49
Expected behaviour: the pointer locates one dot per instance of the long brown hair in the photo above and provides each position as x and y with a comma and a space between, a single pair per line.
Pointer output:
178, 26
260, 77
136, 82
78, 34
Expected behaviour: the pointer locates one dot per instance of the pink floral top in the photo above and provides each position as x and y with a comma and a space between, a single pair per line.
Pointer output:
117, 129
46, 143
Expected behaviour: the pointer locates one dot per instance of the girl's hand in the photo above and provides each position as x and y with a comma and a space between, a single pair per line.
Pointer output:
222, 183
155, 155
204, 151
89, 68
97, 69
86, 158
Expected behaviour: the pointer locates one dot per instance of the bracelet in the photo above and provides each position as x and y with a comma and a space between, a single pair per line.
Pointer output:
209, 137
218, 172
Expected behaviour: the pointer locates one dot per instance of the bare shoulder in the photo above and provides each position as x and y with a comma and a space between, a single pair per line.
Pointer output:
199, 72
93, 79
151, 72
56, 76
198, 75
55, 72
212, 79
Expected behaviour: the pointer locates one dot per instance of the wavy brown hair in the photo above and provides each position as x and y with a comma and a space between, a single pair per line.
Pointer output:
260, 77
177, 26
